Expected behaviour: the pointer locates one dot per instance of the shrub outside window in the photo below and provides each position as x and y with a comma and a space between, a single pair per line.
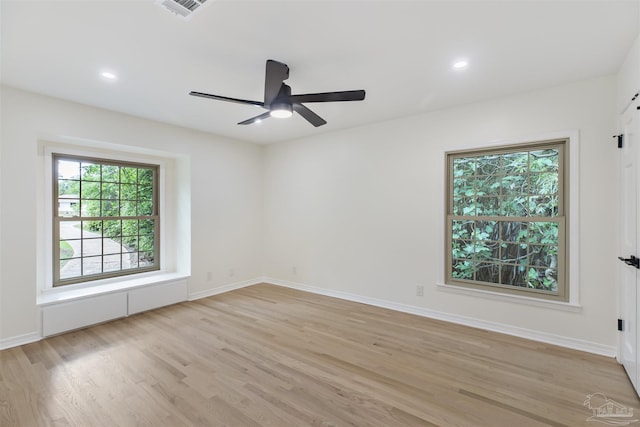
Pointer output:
506, 219
105, 218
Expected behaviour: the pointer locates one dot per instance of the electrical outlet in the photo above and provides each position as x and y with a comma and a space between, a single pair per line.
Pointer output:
419, 290
209, 276
232, 272
294, 270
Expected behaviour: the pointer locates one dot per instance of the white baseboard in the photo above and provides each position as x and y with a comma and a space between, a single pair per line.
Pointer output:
19, 340
563, 341
225, 288
559, 340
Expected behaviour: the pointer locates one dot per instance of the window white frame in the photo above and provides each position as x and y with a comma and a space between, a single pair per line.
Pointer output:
573, 236
45, 194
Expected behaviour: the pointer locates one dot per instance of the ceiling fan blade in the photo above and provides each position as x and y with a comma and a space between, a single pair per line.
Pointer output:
275, 73
256, 119
311, 117
347, 95
225, 98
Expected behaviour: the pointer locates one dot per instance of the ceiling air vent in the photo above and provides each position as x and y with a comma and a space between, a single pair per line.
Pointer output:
185, 9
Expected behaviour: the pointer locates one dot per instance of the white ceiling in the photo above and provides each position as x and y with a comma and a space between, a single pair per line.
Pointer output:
400, 52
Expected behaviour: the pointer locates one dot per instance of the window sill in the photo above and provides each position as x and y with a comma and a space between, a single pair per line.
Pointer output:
532, 302
73, 292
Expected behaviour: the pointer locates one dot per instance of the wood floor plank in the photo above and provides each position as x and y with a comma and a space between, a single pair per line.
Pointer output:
271, 356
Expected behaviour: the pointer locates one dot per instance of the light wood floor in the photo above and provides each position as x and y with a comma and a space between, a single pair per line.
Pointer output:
271, 356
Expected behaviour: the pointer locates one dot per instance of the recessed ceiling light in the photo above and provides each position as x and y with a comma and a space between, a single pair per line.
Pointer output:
460, 64
108, 75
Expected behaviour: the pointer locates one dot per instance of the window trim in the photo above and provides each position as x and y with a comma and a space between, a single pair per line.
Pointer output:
568, 192
169, 176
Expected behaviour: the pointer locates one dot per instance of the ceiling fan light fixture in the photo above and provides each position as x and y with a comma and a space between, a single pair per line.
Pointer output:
281, 111
278, 100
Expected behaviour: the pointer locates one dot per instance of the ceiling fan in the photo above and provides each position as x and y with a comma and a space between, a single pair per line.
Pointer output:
279, 101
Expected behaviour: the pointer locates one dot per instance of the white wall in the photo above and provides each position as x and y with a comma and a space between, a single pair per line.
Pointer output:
628, 77
358, 211
361, 211
225, 201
